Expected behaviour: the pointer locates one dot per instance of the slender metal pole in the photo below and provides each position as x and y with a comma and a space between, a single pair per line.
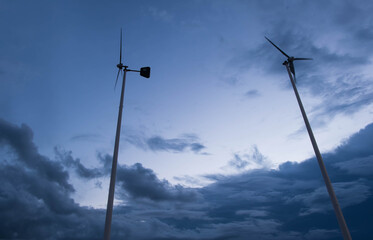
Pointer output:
109, 209
329, 187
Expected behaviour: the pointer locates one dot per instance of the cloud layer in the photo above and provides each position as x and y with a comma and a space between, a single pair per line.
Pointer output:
288, 203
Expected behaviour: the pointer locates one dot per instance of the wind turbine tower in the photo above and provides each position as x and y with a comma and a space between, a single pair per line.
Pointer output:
144, 72
337, 209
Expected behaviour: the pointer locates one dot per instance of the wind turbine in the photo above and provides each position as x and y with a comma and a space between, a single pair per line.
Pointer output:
144, 72
338, 212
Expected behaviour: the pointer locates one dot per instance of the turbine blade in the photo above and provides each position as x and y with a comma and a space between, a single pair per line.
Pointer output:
303, 58
277, 48
120, 54
116, 81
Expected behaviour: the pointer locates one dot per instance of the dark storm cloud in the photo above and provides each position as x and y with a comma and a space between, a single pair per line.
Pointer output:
20, 140
358, 166
35, 195
295, 196
68, 161
288, 203
35, 200
135, 181
292, 202
140, 182
188, 142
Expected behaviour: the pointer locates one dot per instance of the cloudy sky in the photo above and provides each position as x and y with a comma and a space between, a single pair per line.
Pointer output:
213, 145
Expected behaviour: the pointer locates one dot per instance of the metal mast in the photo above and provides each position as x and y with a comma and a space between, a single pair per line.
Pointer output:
145, 72
109, 209
329, 187
337, 209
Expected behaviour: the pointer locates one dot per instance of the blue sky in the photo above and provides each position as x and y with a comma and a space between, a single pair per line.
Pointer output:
208, 142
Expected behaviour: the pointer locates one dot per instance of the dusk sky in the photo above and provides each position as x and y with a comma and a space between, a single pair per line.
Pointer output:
213, 145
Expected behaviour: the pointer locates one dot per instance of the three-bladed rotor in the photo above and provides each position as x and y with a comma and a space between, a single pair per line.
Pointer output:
144, 71
290, 59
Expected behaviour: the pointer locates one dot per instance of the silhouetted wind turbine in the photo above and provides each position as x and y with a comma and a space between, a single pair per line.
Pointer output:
145, 72
338, 212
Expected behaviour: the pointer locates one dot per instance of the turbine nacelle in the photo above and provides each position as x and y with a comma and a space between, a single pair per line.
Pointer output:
120, 65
